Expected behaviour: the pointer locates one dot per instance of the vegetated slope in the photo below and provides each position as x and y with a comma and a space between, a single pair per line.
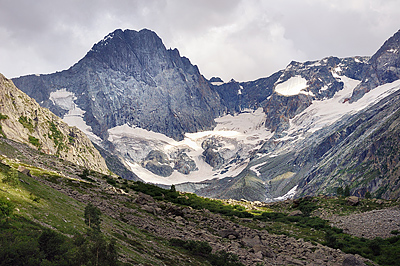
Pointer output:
23, 120
161, 227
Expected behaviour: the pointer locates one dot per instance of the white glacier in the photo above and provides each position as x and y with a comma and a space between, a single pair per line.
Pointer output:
239, 133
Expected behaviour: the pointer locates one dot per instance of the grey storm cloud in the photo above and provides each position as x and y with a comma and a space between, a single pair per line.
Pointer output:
240, 39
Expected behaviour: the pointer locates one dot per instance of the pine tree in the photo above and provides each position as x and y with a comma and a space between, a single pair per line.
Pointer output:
92, 217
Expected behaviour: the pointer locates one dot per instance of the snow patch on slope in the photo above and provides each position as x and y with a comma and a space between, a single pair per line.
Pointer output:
65, 99
289, 195
293, 86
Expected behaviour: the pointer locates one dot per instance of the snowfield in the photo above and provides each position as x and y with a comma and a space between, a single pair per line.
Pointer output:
74, 117
324, 113
293, 86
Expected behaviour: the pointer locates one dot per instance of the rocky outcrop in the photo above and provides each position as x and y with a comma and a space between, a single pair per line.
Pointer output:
352, 200
184, 164
23, 120
158, 163
371, 224
382, 68
213, 158
322, 82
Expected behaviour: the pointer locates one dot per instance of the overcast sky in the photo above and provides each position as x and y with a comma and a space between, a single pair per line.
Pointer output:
240, 39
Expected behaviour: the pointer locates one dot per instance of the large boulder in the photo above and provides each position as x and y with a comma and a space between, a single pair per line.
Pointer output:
352, 200
351, 260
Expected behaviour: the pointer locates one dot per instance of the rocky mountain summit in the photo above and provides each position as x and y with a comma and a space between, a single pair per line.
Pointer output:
129, 77
23, 120
382, 68
288, 92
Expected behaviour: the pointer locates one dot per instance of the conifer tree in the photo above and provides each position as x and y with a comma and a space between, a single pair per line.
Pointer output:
92, 217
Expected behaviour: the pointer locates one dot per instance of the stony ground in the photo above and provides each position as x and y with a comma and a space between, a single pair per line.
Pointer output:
371, 224
166, 220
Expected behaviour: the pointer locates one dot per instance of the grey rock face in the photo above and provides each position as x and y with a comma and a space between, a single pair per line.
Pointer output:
322, 83
382, 68
130, 77
213, 158
184, 165
351, 260
157, 162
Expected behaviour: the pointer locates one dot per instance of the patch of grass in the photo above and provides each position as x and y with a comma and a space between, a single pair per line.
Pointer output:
50, 207
35, 142
203, 249
26, 123
57, 136
2, 117
71, 139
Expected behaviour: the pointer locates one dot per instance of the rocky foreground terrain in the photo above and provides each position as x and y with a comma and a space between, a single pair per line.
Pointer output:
371, 224
143, 226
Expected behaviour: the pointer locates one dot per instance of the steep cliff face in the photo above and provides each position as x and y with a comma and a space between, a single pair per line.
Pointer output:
23, 120
129, 77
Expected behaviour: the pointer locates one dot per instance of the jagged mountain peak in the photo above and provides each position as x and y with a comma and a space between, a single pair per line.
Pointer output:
382, 68
130, 78
131, 52
391, 45
129, 36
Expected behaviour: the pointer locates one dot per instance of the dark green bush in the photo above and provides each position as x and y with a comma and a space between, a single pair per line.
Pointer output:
198, 248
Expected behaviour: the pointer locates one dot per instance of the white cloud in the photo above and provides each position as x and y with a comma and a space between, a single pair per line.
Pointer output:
241, 39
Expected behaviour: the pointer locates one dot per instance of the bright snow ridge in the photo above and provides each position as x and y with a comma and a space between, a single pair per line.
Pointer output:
293, 86
326, 112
